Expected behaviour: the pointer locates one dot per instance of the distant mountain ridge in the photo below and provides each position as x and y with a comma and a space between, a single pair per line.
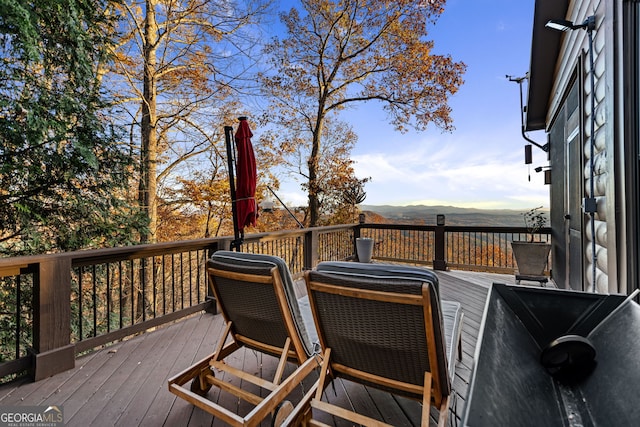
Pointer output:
421, 214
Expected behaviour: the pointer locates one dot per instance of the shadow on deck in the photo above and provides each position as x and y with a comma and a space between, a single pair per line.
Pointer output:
126, 383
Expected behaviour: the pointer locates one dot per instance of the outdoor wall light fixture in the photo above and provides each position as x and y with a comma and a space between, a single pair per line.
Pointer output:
547, 173
590, 204
563, 25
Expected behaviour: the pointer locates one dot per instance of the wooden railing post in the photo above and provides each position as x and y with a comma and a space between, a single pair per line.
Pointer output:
356, 234
356, 229
52, 350
224, 244
440, 261
310, 249
212, 308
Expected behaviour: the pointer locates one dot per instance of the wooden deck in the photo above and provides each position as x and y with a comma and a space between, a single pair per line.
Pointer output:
125, 384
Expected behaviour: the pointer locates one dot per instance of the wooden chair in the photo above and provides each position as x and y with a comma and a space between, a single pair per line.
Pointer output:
383, 326
257, 300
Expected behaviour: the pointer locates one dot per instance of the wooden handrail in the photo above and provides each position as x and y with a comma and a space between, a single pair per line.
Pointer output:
54, 276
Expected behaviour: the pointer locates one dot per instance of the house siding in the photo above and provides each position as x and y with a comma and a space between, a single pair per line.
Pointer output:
601, 173
627, 160
575, 47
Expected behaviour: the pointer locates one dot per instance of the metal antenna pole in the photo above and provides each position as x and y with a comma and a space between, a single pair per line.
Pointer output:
519, 80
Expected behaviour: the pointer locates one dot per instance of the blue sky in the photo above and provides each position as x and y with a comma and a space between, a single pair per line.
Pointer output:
481, 163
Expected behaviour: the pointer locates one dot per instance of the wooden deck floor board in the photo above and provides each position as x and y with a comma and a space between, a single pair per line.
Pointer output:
100, 387
111, 382
159, 410
139, 385
172, 359
391, 407
42, 391
179, 409
126, 383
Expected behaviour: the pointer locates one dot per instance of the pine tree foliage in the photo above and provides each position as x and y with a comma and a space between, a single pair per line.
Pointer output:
63, 174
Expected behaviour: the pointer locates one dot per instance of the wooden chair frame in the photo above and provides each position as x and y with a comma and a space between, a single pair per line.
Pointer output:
202, 377
431, 390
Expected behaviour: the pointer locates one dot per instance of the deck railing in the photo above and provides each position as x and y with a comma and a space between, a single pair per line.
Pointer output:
456, 247
54, 307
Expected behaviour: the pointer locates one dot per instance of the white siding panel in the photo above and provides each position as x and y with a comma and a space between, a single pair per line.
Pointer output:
601, 113
601, 87
599, 147
601, 262
599, 41
587, 118
600, 163
587, 83
601, 213
599, 187
602, 279
601, 233
599, 63
601, 140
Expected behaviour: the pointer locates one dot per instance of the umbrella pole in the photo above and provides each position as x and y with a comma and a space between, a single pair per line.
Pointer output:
237, 240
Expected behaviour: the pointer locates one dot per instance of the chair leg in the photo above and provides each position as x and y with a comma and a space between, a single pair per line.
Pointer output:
444, 412
426, 399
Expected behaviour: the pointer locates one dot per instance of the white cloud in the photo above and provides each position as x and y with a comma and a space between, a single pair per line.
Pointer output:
451, 175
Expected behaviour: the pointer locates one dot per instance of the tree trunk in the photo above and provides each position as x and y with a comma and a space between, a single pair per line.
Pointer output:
149, 148
313, 162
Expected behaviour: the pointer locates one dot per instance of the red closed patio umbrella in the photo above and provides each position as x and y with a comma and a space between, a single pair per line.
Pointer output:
246, 207
243, 187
